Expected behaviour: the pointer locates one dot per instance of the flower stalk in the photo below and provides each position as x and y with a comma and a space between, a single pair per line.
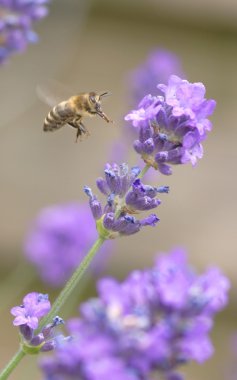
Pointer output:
72, 283
12, 364
57, 305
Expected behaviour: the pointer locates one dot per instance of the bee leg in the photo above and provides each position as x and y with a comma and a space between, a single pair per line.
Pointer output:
75, 125
84, 129
79, 133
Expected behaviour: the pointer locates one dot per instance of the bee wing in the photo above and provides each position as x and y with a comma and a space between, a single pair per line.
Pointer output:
52, 92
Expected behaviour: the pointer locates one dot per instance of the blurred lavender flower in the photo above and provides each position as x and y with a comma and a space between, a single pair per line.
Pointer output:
126, 196
59, 240
16, 19
172, 126
156, 320
157, 68
27, 316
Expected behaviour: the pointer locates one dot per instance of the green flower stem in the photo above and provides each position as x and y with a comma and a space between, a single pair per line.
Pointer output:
144, 171
63, 296
12, 364
72, 283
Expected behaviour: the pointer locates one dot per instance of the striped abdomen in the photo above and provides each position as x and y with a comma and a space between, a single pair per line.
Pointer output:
59, 116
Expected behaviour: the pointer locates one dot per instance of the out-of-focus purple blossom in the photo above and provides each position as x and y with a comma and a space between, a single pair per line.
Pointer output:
156, 320
172, 127
59, 239
157, 68
126, 196
27, 316
16, 21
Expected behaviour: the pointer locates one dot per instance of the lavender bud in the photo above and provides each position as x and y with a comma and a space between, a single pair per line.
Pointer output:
163, 189
150, 191
48, 346
164, 169
132, 227
135, 171
138, 146
108, 221
57, 321
48, 330
146, 203
145, 132
151, 220
37, 340
113, 181
96, 208
120, 224
88, 191
163, 137
102, 186
26, 332
148, 146
162, 156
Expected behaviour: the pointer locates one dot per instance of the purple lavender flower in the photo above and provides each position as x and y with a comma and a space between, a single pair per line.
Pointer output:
35, 306
156, 320
27, 317
172, 127
126, 196
157, 68
16, 19
59, 239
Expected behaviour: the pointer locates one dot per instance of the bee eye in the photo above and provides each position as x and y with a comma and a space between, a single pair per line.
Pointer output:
92, 99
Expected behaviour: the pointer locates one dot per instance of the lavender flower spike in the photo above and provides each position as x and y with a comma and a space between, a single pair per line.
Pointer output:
126, 196
16, 20
172, 127
149, 325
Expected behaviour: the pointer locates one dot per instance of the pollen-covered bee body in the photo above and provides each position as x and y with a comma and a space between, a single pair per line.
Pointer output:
72, 111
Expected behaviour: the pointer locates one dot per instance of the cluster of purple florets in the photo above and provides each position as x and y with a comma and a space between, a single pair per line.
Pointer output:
126, 196
173, 126
16, 19
156, 320
27, 317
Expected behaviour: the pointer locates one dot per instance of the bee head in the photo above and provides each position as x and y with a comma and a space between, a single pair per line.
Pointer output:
95, 104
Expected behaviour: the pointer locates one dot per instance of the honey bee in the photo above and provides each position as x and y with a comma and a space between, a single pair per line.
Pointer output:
72, 111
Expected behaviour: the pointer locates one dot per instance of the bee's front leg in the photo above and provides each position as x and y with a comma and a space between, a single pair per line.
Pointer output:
79, 133
81, 129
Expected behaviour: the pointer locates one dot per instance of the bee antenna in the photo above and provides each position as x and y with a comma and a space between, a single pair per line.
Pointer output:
105, 94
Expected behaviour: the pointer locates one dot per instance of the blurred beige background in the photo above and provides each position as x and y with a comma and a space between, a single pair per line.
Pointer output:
92, 46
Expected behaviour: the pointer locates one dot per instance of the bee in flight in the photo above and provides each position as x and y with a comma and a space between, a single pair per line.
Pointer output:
72, 111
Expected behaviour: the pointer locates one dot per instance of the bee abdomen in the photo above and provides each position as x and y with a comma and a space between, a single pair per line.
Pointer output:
56, 118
